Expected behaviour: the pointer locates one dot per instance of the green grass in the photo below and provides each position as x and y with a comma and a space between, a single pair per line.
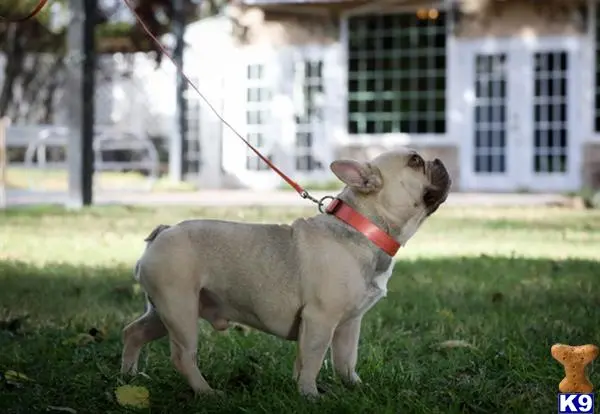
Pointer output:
510, 282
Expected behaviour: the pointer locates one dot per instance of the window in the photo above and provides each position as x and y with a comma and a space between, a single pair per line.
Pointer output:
193, 148
397, 73
258, 97
490, 114
550, 112
310, 114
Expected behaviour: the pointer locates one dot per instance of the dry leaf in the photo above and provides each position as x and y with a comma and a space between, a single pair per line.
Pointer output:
63, 409
14, 376
455, 343
133, 396
446, 313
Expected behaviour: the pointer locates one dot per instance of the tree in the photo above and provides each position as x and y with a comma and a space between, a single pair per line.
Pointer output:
33, 52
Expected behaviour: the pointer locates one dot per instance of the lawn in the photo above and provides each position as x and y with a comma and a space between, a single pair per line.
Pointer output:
507, 283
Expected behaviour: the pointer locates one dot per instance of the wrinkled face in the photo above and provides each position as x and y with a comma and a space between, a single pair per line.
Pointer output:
409, 177
401, 183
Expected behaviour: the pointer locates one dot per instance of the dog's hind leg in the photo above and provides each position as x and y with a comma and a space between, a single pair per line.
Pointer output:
180, 316
146, 328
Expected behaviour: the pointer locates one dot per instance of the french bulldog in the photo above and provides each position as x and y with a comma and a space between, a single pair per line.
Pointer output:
311, 281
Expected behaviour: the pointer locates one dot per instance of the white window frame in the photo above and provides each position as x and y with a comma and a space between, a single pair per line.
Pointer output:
282, 127
234, 149
523, 176
322, 151
588, 72
449, 138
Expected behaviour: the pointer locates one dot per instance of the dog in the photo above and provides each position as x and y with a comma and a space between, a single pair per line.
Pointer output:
310, 282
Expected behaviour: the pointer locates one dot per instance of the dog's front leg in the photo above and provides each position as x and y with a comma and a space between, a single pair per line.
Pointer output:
344, 350
316, 330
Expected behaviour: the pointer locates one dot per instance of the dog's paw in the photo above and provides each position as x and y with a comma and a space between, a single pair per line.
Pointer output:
310, 393
312, 397
354, 380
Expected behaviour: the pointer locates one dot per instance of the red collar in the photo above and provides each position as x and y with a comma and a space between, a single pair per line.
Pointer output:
353, 218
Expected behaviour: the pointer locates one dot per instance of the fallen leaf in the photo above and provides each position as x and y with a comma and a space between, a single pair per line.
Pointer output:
63, 409
455, 343
15, 376
446, 313
13, 379
133, 396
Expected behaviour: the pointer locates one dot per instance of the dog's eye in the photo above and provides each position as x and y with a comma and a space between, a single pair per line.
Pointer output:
416, 161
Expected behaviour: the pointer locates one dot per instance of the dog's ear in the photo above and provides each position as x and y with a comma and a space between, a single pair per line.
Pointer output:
364, 178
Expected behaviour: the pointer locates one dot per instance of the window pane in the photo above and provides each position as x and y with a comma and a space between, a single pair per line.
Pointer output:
258, 98
396, 74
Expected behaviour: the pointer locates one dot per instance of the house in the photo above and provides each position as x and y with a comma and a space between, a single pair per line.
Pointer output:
505, 92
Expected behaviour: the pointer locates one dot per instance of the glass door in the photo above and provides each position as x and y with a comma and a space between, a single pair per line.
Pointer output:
551, 128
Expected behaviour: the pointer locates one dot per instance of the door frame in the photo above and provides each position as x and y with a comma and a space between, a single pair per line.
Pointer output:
235, 151
571, 180
469, 49
519, 156
280, 129
321, 148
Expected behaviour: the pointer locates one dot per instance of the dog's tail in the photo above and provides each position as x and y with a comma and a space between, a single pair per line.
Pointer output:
149, 239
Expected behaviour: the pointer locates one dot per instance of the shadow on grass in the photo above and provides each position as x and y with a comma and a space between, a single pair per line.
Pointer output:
506, 311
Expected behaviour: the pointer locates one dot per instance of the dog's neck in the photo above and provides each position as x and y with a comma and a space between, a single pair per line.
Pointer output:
401, 233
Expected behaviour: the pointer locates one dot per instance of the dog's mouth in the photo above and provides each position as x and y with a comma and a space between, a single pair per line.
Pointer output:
440, 182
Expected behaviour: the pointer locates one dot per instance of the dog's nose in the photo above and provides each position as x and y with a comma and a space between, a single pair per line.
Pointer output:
437, 161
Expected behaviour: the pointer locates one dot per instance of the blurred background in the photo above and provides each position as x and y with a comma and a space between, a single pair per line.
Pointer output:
504, 92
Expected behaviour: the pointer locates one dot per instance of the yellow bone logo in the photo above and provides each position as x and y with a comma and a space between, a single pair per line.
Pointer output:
574, 359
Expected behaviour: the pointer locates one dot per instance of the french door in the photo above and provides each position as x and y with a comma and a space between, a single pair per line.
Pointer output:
520, 111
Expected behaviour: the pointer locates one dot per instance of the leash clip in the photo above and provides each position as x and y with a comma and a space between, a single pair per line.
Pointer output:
320, 203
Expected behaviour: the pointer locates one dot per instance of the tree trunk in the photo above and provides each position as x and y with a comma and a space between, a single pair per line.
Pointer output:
15, 57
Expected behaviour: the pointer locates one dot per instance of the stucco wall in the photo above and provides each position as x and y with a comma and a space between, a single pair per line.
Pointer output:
591, 165
478, 18
448, 154
481, 18
258, 27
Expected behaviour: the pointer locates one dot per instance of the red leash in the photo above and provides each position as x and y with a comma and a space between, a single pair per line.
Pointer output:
303, 193
337, 207
35, 11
